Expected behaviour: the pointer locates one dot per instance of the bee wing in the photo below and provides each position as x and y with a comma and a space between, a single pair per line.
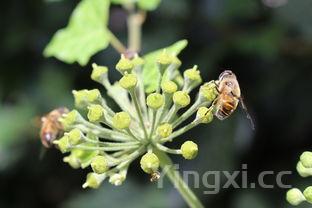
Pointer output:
244, 107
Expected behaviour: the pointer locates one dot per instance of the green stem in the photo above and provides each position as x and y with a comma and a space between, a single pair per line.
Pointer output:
116, 44
175, 177
153, 124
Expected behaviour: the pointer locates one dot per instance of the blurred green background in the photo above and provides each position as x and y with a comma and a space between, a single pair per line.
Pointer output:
267, 43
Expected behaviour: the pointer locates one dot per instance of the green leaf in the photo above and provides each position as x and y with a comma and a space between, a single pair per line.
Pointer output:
150, 70
148, 5
85, 34
119, 1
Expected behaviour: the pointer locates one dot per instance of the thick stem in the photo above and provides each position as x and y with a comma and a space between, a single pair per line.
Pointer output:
177, 180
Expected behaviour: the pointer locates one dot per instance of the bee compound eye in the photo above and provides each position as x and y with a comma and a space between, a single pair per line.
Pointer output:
225, 73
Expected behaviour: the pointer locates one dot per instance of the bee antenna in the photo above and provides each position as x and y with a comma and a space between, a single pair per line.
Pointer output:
244, 107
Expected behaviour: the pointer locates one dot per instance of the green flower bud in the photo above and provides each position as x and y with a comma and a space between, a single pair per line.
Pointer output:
149, 163
303, 171
99, 164
117, 179
169, 87
72, 161
208, 91
308, 194
80, 97
93, 181
155, 100
295, 197
63, 144
96, 113
137, 61
99, 73
164, 130
94, 96
128, 81
193, 75
124, 65
306, 159
204, 115
189, 150
70, 119
121, 120
181, 98
74, 136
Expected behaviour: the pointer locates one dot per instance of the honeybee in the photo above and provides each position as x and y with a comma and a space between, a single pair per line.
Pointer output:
51, 128
155, 176
229, 96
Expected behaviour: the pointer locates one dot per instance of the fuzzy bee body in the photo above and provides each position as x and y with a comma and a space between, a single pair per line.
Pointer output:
51, 128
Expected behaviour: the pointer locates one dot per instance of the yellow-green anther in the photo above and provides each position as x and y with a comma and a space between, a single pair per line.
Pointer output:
128, 81
72, 161
306, 159
99, 73
295, 197
74, 136
124, 65
63, 144
149, 163
117, 179
137, 61
176, 61
155, 100
96, 113
204, 115
208, 91
70, 119
99, 164
193, 75
93, 181
308, 194
164, 130
303, 171
94, 96
165, 58
181, 98
169, 87
189, 150
80, 97
121, 120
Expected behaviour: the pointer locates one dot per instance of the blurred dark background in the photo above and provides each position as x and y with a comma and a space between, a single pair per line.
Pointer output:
267, 43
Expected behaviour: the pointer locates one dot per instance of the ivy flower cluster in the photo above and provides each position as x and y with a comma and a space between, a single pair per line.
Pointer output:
304, 168
107, 141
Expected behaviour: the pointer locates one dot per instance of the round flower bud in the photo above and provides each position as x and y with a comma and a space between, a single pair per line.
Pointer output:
169, 87
93, 181
70, 119
94, 96
189, 150
193, 75
149, 163
121, 120
62, 144
155, 100
308, 194
128, 81
204, 115
208, 91
164, 130
72, 161
124, 65
137, 61
96, 113
294, 196
74, 136
99, 73
181, 98
117, 179
306, 159
99, 164
303, 171
80, 97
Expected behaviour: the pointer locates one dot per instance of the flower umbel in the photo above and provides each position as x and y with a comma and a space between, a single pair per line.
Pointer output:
108, 142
